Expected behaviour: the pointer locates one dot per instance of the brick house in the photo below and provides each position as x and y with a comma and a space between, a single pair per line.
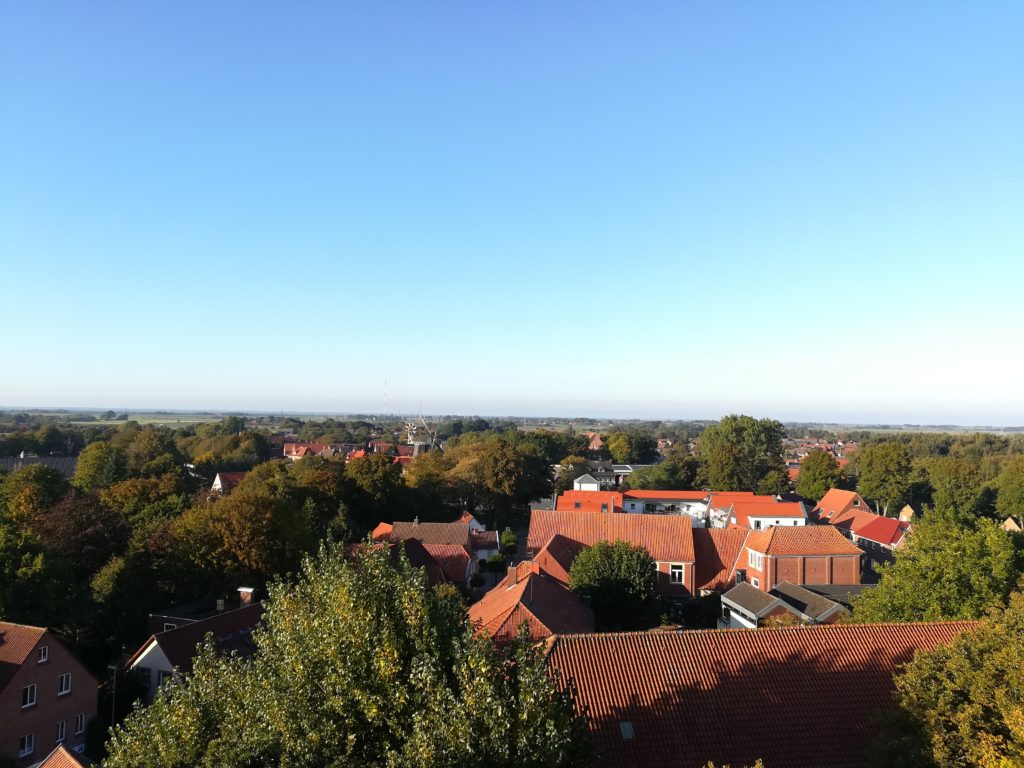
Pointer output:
849, 513
47, 697
668, 539
815, 554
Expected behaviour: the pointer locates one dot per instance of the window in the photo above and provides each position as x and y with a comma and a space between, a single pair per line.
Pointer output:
26, 744
576, 505
675, 573
169, 626
64, 684
162, 675
62, 730
757, 525
79, 723
79, 748
755, 583
44, 654
28, 696
142, 675
604, 507
755, 559
856, 502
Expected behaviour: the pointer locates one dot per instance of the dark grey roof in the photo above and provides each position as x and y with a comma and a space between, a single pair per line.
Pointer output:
749, 598
840, 593
811, 604
64, 464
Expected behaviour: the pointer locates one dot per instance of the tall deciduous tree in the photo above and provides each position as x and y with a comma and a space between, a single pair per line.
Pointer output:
956, 484
743, 454
1010, 499
361, 665
679, 472
632, 447
819, 472
961, 703
100, 464
885, 475
952, 566
569, 469
622, 582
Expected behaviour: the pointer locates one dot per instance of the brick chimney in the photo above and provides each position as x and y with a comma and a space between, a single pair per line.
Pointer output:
244, 596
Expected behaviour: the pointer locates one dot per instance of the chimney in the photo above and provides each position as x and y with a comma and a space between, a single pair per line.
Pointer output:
244, 596
513, 575
416, 520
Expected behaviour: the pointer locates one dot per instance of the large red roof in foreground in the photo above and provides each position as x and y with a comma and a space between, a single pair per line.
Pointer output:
668, 538
799, 697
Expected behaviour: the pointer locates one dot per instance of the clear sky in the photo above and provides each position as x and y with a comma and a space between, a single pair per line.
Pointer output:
804, 210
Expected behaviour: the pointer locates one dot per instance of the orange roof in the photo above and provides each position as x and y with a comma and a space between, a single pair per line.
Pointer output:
717, 550
382, 532
453, 559
668, 538
17, 641
673, 495
887, 531
680, 699
540, 601
555, 558
807, 540
62, 757
793, 473
590, 501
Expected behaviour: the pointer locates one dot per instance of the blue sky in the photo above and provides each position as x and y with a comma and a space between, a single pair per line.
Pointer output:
804, 210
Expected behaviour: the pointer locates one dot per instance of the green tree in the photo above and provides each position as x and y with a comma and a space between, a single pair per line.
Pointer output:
29, 492
743, 453
952, 566
361, 665
379, 488
961, 703
35, 586
956, 484
885, 475
99, 465
569, 469
819, 472
632, 448
679, 472
1010, 498
622, 582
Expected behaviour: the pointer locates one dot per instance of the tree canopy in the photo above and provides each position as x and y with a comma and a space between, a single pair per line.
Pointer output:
744, 454
819, 472
360, 664
622, 582
952, 566
885, 475
961, 703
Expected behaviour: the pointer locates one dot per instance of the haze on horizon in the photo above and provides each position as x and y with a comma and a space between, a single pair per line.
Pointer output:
803, 211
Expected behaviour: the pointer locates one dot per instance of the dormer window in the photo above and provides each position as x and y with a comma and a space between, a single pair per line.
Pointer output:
856, 502
43, 654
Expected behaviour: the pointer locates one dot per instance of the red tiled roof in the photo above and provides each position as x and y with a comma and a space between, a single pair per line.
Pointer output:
228, 480
735, 696
62, 757
432, 533
453, 559
358, 454
668, 538
837, 501
669, 495
589, 501
555, 558
382, 532
807, 540
887, 531
403, 460
543, 603
17, 641
716, 551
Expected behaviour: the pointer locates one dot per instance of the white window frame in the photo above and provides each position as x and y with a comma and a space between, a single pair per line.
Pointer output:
162, 675
755, 560
676, 568
44, 654
756, 583
28, 696
61, 690
62, 731
79, 723
26, 745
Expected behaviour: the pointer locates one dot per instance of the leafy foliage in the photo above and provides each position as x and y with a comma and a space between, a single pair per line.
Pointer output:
679, 472
885, 475
622, 582
953, 566
744, 454
361, 664
962, 703
819, 472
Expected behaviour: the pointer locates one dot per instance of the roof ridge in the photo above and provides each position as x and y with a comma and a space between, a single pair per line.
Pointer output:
765, 630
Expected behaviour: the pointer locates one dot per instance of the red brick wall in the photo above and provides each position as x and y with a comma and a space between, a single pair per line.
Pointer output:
49, 709
668, 589
846, 569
